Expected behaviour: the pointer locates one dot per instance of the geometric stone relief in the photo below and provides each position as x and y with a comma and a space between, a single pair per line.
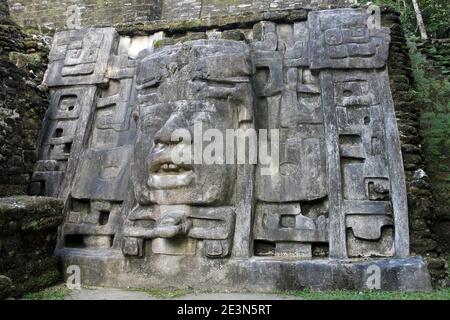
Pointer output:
289, 229
80, 56
114, 105
102, 173
91, 224
212, 226
357, 110
341, 39
319, 87
61, 136
289, 100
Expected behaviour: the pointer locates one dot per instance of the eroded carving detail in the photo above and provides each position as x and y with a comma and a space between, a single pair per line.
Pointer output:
62, 135
341, 39
80, 56
289, 100
106, 148
205, 81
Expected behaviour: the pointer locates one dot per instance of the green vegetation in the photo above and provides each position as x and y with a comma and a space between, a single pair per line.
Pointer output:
54, 293
435, 14
432, 92
431, 89
442, 294
60, 293
46, 279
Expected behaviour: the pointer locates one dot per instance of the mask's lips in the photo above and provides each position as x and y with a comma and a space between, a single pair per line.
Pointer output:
161, 163
168, 167
165, 174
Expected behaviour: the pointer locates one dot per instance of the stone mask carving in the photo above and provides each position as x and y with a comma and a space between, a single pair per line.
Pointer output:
203, 82
143, 220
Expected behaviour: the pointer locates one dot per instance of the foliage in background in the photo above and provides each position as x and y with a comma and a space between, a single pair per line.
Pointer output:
430, 63
432, 91
430, 88
435, 13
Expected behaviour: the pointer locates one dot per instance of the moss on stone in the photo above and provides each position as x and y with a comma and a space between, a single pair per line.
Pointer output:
243, 20
235, 35
158, 44
177, 40
26, 205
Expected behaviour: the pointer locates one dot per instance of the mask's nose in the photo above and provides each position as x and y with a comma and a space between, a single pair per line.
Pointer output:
164, 135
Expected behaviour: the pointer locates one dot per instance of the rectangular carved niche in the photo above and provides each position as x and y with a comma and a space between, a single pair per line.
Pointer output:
289, 230
61, 138
91, 224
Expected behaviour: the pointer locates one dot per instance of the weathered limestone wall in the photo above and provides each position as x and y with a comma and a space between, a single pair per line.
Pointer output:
23, 60
55, 13
28, 227
52, 14
408, 118
422, 211
194, 9
94, 208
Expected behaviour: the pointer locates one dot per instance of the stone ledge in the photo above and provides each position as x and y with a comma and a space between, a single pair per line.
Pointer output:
253, 275
223, 22
24, 213
207, 23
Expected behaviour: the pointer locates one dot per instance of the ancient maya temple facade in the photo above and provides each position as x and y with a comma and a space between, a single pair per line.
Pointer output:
334, 210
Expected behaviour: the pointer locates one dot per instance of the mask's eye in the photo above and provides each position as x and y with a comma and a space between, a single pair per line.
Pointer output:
148, 87
155, 118
192, 118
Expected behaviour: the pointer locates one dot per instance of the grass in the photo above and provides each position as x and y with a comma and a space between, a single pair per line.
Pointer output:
442, 294
54, 293
60, 292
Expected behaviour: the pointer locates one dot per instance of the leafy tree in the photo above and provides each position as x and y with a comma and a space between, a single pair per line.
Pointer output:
435, 14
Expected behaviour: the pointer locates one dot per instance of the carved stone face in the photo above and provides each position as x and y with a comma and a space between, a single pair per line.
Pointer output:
182, 87
169, 183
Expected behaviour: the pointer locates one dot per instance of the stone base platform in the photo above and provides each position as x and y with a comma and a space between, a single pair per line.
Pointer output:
108, 268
